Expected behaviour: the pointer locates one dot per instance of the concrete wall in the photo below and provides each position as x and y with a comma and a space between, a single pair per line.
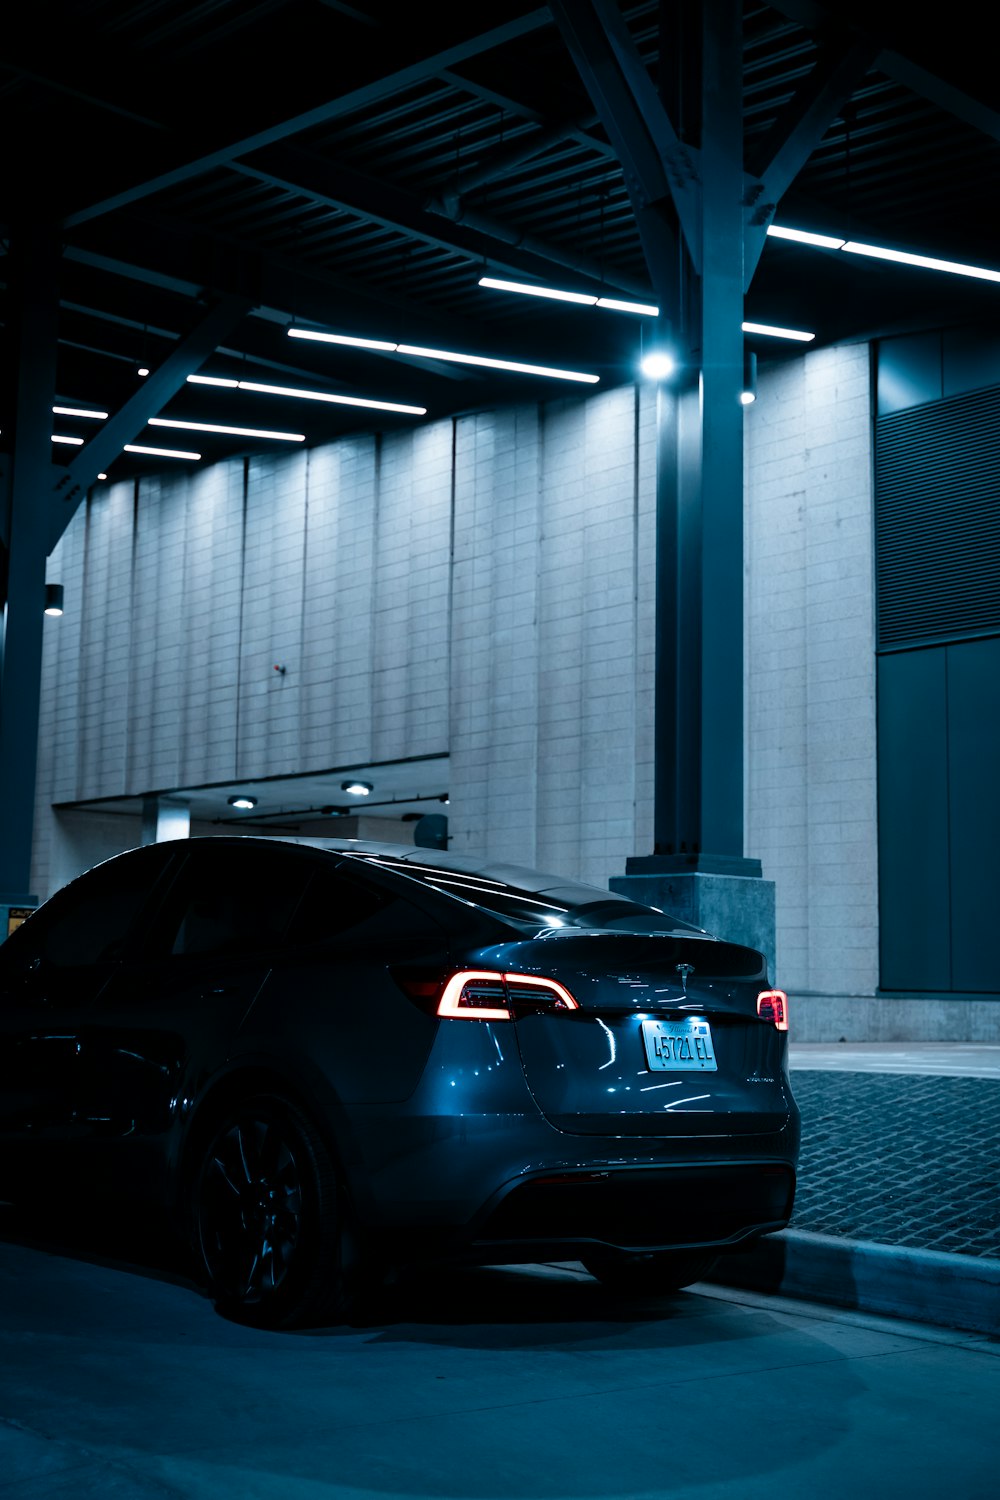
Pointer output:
810, 651
485, 587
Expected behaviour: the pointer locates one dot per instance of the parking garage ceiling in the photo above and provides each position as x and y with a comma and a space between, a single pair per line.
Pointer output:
356, 169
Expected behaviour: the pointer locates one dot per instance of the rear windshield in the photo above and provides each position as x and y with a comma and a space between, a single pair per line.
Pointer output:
535, 900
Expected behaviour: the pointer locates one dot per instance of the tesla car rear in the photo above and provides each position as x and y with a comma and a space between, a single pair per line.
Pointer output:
323, 1055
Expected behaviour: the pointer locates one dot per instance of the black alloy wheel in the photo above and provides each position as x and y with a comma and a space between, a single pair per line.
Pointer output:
267, 1224
649, 1273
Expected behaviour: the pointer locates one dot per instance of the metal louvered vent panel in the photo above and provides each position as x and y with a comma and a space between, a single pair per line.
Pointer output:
937, 520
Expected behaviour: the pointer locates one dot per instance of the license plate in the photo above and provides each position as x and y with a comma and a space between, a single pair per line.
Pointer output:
683, 1046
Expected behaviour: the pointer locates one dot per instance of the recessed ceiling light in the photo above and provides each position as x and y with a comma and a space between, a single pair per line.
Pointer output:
142, 370
357, 788
242, 802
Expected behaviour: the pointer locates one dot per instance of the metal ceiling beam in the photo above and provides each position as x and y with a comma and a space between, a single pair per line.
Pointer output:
795, 134
283, 292
896, 59
652, 176
125, 424
473, 235
195, 161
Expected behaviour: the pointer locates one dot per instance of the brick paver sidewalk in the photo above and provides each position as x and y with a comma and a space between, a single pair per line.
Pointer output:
900, 1159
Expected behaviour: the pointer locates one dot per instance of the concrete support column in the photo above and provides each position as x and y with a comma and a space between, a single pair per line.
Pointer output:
33, 265
698, 869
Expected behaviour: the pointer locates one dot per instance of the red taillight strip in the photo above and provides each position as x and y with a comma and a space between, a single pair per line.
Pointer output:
448, 1005
772, 1005
530, 982
450, 1002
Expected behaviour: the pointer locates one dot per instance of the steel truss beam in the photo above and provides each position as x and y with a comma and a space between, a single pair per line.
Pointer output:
124, 425
194, 161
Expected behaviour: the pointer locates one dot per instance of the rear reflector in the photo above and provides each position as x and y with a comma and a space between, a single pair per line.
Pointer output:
772, 1005
485, 995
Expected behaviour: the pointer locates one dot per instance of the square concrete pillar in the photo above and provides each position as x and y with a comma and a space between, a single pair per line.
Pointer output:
737, 908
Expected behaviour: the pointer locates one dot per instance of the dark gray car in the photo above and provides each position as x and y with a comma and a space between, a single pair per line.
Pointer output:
322, 1056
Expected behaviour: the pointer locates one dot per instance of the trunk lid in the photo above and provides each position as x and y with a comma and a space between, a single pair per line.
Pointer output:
666, 1042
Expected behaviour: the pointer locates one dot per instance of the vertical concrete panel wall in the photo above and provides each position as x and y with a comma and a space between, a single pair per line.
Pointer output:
485, 587
810, 651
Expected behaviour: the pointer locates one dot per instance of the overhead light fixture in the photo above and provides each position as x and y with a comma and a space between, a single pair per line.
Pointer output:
242, 802
341, 338
882, 252
771, 331
557, 294
658, 365
142, 370
927, 262
260, 432
449, 356
616, 304
357, 788
514, 365
804, 237
72, 441
160, 452
287, 390
80, 411
102, 476
748, 394
54, 599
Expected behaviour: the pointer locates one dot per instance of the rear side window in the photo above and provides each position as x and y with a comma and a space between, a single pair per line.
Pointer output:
334, 904
232, 901
90, 921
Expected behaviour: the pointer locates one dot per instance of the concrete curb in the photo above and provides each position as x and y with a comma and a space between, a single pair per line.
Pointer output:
926, 1286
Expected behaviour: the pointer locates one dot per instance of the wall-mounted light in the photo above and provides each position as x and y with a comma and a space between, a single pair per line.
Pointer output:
748, 394
54, 599
658, 365
357, 788
242, 802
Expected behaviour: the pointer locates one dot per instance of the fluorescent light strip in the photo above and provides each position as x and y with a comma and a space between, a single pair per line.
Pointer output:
79, 411
881, 252
75, 442
160, 452
804, 237
927, 262
419, 352
495, 364
261, 432
771, 332
615, 304
284, 390
341, 338
527, 289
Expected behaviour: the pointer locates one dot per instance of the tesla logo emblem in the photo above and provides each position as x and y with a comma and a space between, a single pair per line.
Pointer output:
684, 970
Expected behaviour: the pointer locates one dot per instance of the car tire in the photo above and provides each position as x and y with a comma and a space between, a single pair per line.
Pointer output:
268, 1218
652, 1273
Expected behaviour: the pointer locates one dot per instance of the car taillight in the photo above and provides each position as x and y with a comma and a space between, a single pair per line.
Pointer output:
772, 1005
485, 995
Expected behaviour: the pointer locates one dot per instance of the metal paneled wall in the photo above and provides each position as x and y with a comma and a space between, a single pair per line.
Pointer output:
938, 591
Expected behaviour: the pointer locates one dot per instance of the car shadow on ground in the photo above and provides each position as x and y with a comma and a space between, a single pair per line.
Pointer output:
435, 1301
